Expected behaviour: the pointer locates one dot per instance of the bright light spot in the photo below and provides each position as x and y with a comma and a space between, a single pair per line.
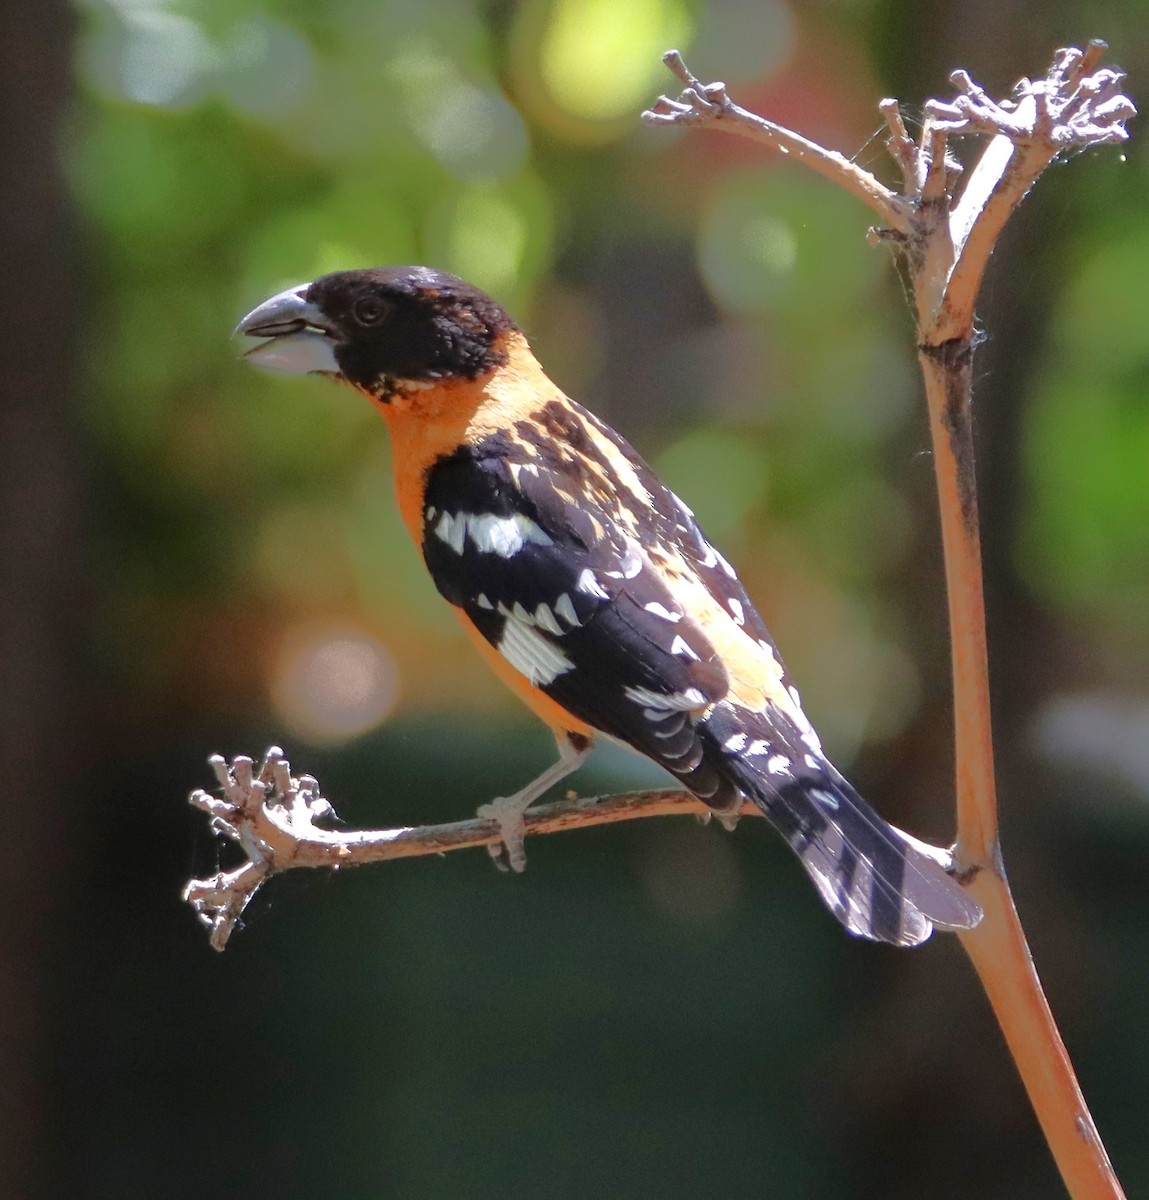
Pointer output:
130, 5
746, 258
771, 243
751, 41
600, 58
473, 132
162, 56
476, 134
1098, 736
330, 686
138, 50
267, 69
487, 238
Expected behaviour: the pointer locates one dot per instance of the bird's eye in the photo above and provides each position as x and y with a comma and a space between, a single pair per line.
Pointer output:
370, 310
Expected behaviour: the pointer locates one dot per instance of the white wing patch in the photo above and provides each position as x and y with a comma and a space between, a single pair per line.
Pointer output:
565, 609
588, 584
453, 531
545, 619
531, 654
662, 611
724, 563
630, 564
683, 648
516, 469
804, 727
504, 536
663, 703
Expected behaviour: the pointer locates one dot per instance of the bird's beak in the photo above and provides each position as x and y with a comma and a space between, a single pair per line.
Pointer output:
299, 338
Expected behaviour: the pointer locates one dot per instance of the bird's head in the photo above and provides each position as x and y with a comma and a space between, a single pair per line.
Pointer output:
385, 331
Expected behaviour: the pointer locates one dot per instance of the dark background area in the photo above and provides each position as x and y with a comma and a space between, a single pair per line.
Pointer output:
195, 558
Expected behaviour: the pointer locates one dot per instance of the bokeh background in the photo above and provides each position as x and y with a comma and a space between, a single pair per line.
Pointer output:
196, 558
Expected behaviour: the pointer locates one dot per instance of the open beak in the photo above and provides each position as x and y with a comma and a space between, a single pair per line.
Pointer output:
298, 337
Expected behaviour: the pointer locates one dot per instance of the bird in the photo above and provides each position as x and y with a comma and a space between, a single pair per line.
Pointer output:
588, 586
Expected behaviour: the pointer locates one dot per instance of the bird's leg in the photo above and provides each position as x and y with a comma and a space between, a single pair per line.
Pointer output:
508, 810
727, 817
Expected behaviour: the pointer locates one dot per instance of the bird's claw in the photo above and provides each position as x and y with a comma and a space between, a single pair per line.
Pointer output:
510, 853
729, 819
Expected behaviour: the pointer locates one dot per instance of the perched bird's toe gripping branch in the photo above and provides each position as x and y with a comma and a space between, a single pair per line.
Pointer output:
589, 587
507, 811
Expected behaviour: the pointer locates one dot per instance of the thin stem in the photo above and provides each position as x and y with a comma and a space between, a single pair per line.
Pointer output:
1001, 957
322, 848
946, 370
272, 817
947, 248
997, 947
709, 105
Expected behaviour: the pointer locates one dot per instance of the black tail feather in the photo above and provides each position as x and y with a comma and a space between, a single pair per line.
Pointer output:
879, 882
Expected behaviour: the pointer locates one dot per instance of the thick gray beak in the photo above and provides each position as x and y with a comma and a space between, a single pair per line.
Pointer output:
299, 337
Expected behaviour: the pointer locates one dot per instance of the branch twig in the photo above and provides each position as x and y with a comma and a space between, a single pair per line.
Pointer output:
273, 816
1076, 106
947, 242
708, 104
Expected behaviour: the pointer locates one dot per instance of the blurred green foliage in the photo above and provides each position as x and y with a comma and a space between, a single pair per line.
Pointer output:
387, 138
649, 1012
1087, 538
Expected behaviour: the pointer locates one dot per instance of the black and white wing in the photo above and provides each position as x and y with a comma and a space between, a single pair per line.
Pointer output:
572, 578
570, 601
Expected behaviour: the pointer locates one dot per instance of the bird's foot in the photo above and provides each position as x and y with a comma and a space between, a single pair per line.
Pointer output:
728, 817
509, 854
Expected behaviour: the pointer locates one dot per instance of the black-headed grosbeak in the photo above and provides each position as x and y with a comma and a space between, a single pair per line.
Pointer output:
588, 586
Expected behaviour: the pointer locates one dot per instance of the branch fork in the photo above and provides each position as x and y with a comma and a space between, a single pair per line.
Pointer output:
946, 237
270, 815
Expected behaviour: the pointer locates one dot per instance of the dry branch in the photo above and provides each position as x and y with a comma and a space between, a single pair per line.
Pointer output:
274, 817
708, 104
946, 239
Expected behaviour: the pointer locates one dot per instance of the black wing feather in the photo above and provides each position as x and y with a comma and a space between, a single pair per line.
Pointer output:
618, 646
643, 671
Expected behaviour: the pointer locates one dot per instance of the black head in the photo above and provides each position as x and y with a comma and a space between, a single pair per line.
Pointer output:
382, 327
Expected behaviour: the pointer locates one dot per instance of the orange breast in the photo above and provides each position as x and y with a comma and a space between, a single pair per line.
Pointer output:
431, 422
